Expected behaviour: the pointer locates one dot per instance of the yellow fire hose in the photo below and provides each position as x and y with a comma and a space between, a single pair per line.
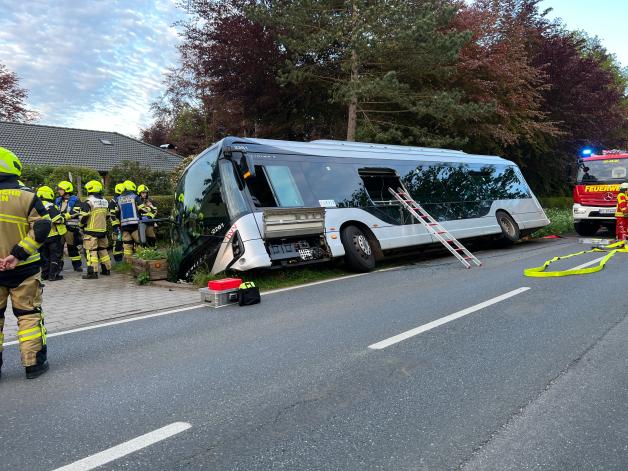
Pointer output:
611, 250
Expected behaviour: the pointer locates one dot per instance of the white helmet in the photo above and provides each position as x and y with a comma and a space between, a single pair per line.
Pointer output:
623, 187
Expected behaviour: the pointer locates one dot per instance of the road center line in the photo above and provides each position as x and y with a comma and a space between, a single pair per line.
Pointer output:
588, 264
444, 320
126, 448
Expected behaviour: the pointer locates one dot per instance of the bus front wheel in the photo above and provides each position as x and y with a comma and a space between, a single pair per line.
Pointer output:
358, 251
510, 229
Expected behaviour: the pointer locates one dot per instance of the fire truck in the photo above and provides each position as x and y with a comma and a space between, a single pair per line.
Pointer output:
595, 192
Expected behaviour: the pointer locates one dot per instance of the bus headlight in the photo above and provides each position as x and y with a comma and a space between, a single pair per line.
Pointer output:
579, 210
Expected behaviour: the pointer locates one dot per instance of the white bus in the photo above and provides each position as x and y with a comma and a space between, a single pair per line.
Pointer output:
256, 203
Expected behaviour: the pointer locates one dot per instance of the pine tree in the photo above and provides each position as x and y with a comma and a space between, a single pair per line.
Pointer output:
391, 63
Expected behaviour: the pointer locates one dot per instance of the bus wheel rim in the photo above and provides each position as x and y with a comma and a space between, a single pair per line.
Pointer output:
363, 245
508, 227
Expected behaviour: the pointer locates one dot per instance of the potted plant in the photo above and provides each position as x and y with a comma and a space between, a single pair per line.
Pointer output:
150, 261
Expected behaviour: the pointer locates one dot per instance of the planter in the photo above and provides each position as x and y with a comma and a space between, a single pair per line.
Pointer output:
156, 269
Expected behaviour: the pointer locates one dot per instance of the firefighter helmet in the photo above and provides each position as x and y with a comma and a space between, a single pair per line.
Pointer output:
66, 186
623, 187
119, 189
93, 186
46, 193
9, 163
130, 186
142, 189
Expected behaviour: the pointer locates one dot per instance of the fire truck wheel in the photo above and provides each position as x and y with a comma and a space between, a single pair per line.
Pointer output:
358, 251
586, 228
510, 229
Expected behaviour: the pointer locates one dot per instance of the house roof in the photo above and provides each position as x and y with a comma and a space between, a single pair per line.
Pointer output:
51, 145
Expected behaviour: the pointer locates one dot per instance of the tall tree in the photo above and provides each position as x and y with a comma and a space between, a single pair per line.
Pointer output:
13, 98
388, 63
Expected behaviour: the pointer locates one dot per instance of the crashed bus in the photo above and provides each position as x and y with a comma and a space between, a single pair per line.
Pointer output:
249, 203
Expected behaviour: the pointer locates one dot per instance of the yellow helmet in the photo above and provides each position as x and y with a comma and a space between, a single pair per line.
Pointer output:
119, 189
46, 193
93, 186
142, 189
129, 186
66, 186
9, 163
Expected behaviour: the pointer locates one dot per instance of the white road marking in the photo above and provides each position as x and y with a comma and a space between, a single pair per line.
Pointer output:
588, 264
444, 320
119, 321
126, 448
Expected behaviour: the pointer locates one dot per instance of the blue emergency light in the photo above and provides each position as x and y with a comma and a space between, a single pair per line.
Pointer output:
586, 152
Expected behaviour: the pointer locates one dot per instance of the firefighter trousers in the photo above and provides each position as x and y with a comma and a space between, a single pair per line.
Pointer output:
96, 251
130, 238
26, 301
621, 228
51, 257
73, 241
151, 235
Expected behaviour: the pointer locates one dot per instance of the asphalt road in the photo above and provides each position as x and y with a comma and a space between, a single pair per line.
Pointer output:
535, 380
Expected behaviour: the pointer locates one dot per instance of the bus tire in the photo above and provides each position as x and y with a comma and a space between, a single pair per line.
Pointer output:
359, 254
510, 229
586, 228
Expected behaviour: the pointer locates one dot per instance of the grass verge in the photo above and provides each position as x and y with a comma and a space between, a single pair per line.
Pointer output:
125, 268
561, 222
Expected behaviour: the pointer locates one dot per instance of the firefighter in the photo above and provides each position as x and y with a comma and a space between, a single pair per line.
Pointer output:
24, 226
621, 213
128, 215
148, 211
70, 206
116, 235
94, 218
52, 250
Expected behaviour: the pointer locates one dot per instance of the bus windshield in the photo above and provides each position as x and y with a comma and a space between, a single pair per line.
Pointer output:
603, 171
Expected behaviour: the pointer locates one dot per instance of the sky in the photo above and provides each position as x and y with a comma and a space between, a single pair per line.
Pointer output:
99, 64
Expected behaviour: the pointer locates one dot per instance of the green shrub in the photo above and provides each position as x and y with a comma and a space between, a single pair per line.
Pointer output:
174, 256
158, 182
143, 278
38, 175
149, 253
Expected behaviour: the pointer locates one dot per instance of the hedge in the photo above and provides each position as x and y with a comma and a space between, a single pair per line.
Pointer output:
559, 202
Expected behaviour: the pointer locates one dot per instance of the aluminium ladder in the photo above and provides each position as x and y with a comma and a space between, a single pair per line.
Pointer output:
433, 227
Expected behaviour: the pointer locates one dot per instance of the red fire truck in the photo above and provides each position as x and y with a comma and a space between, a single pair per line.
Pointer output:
595, 193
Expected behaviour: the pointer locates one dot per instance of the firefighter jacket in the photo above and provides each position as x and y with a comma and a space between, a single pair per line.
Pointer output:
113, 212
147, 209
71, 210
128, 213
56, 219
24, 227
622, 206
94, 215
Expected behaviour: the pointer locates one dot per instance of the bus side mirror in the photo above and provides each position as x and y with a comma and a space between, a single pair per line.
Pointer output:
243, 164
247, 168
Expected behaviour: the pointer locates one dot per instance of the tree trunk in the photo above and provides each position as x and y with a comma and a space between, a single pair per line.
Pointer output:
352, 120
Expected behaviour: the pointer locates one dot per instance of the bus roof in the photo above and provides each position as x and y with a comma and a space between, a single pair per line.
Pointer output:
361, 150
